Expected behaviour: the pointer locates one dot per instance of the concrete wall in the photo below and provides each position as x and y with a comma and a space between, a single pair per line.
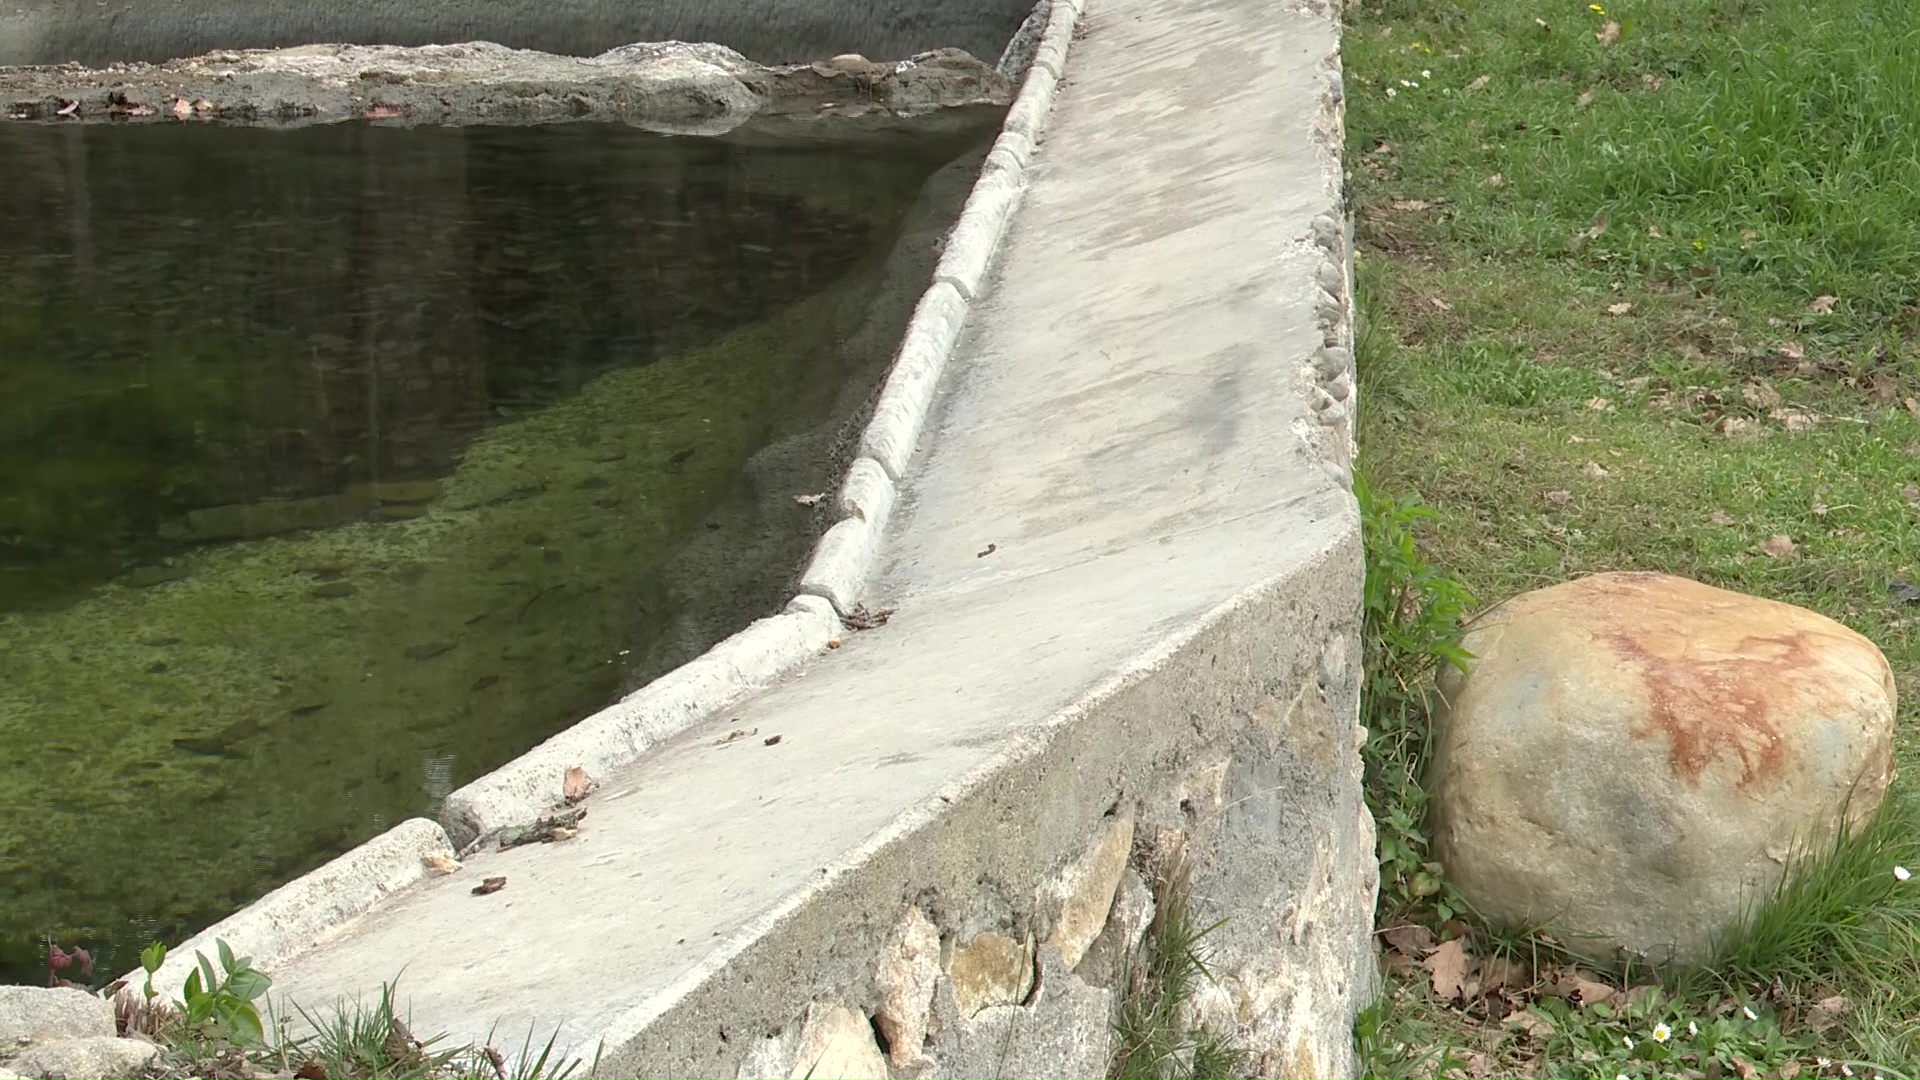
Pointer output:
769, 31
1092, 614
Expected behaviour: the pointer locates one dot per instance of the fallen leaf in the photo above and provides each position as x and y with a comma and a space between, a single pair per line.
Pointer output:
735, 736
1793, 419
575, 785
1621, 308
1479, 83
771, 740
1593, 231
1439, 304
1593, 470
1585, 99
1911, 493
1654, 233
1532, 1023
1447, 964
1778, 546
1823, 305
489, 886
1827, 1012
1500, 972
1496, 180
310, 1070
1736, 426
1599, 404
440, 862
1410, 204
1745, 1068
1883, 388
1607, 34
1722, 518
1560, 498
1760, 395
559, 832
1410, 939
1792, 350
181, 110
1583, 987
810, 500
1912, 405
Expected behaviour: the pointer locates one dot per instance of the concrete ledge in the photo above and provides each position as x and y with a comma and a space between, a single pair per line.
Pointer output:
897, 418
1028, 117
1058, 38
976, 236
293, 918
867, 493
533, 784
841, 563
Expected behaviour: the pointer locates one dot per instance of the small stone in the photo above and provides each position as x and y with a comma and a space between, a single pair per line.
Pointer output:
1636, 757
837, 1043
1083, 893
40, 1013
93, 1056
992, 969
909, 968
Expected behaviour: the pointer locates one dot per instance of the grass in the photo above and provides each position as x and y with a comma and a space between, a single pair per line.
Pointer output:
1156, 1035
1642, 289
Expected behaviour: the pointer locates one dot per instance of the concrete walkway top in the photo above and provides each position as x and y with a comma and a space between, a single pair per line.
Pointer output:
1122, 448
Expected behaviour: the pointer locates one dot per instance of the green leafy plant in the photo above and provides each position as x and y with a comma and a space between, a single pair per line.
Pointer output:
151, 958
221, 1001
1411, 627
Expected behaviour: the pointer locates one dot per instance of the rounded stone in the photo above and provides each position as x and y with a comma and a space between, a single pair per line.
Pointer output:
1635, 758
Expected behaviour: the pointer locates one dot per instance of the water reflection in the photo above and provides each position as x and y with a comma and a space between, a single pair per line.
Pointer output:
340, 465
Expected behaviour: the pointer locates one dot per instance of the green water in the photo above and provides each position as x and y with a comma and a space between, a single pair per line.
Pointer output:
339, 466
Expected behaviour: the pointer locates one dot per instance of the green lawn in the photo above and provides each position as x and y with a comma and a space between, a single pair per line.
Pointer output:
1641, 285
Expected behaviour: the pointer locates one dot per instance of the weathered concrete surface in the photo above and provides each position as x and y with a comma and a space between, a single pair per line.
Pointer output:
770, 31
1125, 575
668, 86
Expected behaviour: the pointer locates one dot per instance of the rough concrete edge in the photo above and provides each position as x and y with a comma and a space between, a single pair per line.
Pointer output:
295, 916
1027, 745
287, 921
1328, 379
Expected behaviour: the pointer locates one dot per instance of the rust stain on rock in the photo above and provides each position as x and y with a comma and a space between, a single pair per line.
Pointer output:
1707, 708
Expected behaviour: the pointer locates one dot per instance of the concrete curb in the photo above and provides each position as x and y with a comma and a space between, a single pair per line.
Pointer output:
294, 917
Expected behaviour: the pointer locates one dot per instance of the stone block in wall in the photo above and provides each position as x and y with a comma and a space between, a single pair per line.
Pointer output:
1064, 1031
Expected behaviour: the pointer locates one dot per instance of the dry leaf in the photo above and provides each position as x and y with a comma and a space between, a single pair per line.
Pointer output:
810, 500
1532, 1023
1593, 470
735, 735
1827, 1012
1411, 939
1599, 404
1479, 83
1723, 519
575, 785
1654, 233
1607, 34
1795, 420
1823, 305
1439, 304
1911, 493
1447, 963
1582, 986
1620, 308
1499, 972
1792, 350
491, 885
1585, 99
1560, 498
1778, 546
1745, 1068
1593, 231
440, 862
1760, 395
1496, 180
1883, 388
559, 832
1411, 205
181, 110
1736, 426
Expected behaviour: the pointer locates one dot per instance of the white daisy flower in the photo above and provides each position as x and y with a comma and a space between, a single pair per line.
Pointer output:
1901, 873
1627, 1041
1748, 1009
1693, 1030
1661, 1033
1392, 93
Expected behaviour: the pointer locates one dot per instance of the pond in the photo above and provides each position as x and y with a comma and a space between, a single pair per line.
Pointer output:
339, 466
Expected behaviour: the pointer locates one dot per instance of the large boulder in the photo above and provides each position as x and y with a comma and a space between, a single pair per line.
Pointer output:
37, 1014
1634, 758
